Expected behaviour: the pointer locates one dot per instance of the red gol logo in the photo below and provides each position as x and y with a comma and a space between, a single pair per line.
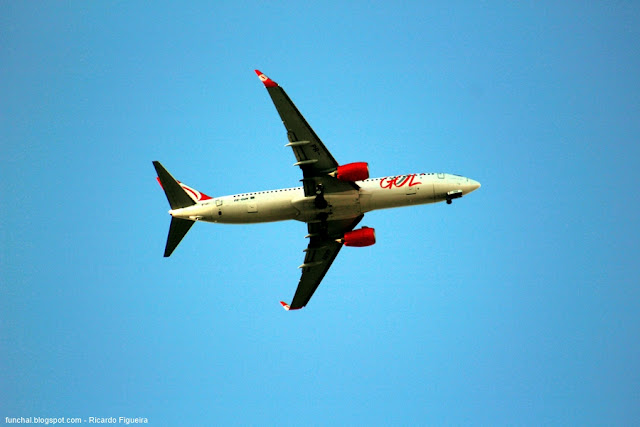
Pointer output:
399, 181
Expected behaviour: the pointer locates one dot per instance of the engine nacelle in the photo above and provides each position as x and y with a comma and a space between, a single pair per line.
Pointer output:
358, 171
364, 236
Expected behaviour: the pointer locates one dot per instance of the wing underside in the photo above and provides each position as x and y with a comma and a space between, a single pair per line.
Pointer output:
320, 254
312, 156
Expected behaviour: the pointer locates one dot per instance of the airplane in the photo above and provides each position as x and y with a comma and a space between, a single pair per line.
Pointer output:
332, 200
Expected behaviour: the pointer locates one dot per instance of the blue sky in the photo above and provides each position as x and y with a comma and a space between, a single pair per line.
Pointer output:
516, 305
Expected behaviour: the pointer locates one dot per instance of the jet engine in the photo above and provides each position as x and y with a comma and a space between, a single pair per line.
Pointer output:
358, 171
364, 236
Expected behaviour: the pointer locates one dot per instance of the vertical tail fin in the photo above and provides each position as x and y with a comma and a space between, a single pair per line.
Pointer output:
176, 195
178, 198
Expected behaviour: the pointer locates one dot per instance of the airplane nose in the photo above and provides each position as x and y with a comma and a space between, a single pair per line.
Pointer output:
471, 186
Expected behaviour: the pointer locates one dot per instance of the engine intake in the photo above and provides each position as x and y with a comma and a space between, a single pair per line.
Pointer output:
358, 171
362, 237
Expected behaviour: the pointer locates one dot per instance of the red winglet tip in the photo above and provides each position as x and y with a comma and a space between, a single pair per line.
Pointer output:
266, 80
287, 307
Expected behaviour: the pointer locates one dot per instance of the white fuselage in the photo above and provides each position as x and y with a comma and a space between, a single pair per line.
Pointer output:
291, 203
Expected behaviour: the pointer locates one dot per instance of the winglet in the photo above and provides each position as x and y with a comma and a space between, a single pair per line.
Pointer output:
287, 307
266, 80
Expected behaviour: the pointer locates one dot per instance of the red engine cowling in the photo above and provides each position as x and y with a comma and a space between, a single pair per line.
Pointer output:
364, 236
358, 171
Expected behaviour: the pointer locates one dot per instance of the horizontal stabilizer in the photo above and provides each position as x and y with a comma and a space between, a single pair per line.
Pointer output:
177, 230
176, 195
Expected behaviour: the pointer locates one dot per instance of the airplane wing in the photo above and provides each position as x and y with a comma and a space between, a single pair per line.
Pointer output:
316, 163
322, 250
312, 156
